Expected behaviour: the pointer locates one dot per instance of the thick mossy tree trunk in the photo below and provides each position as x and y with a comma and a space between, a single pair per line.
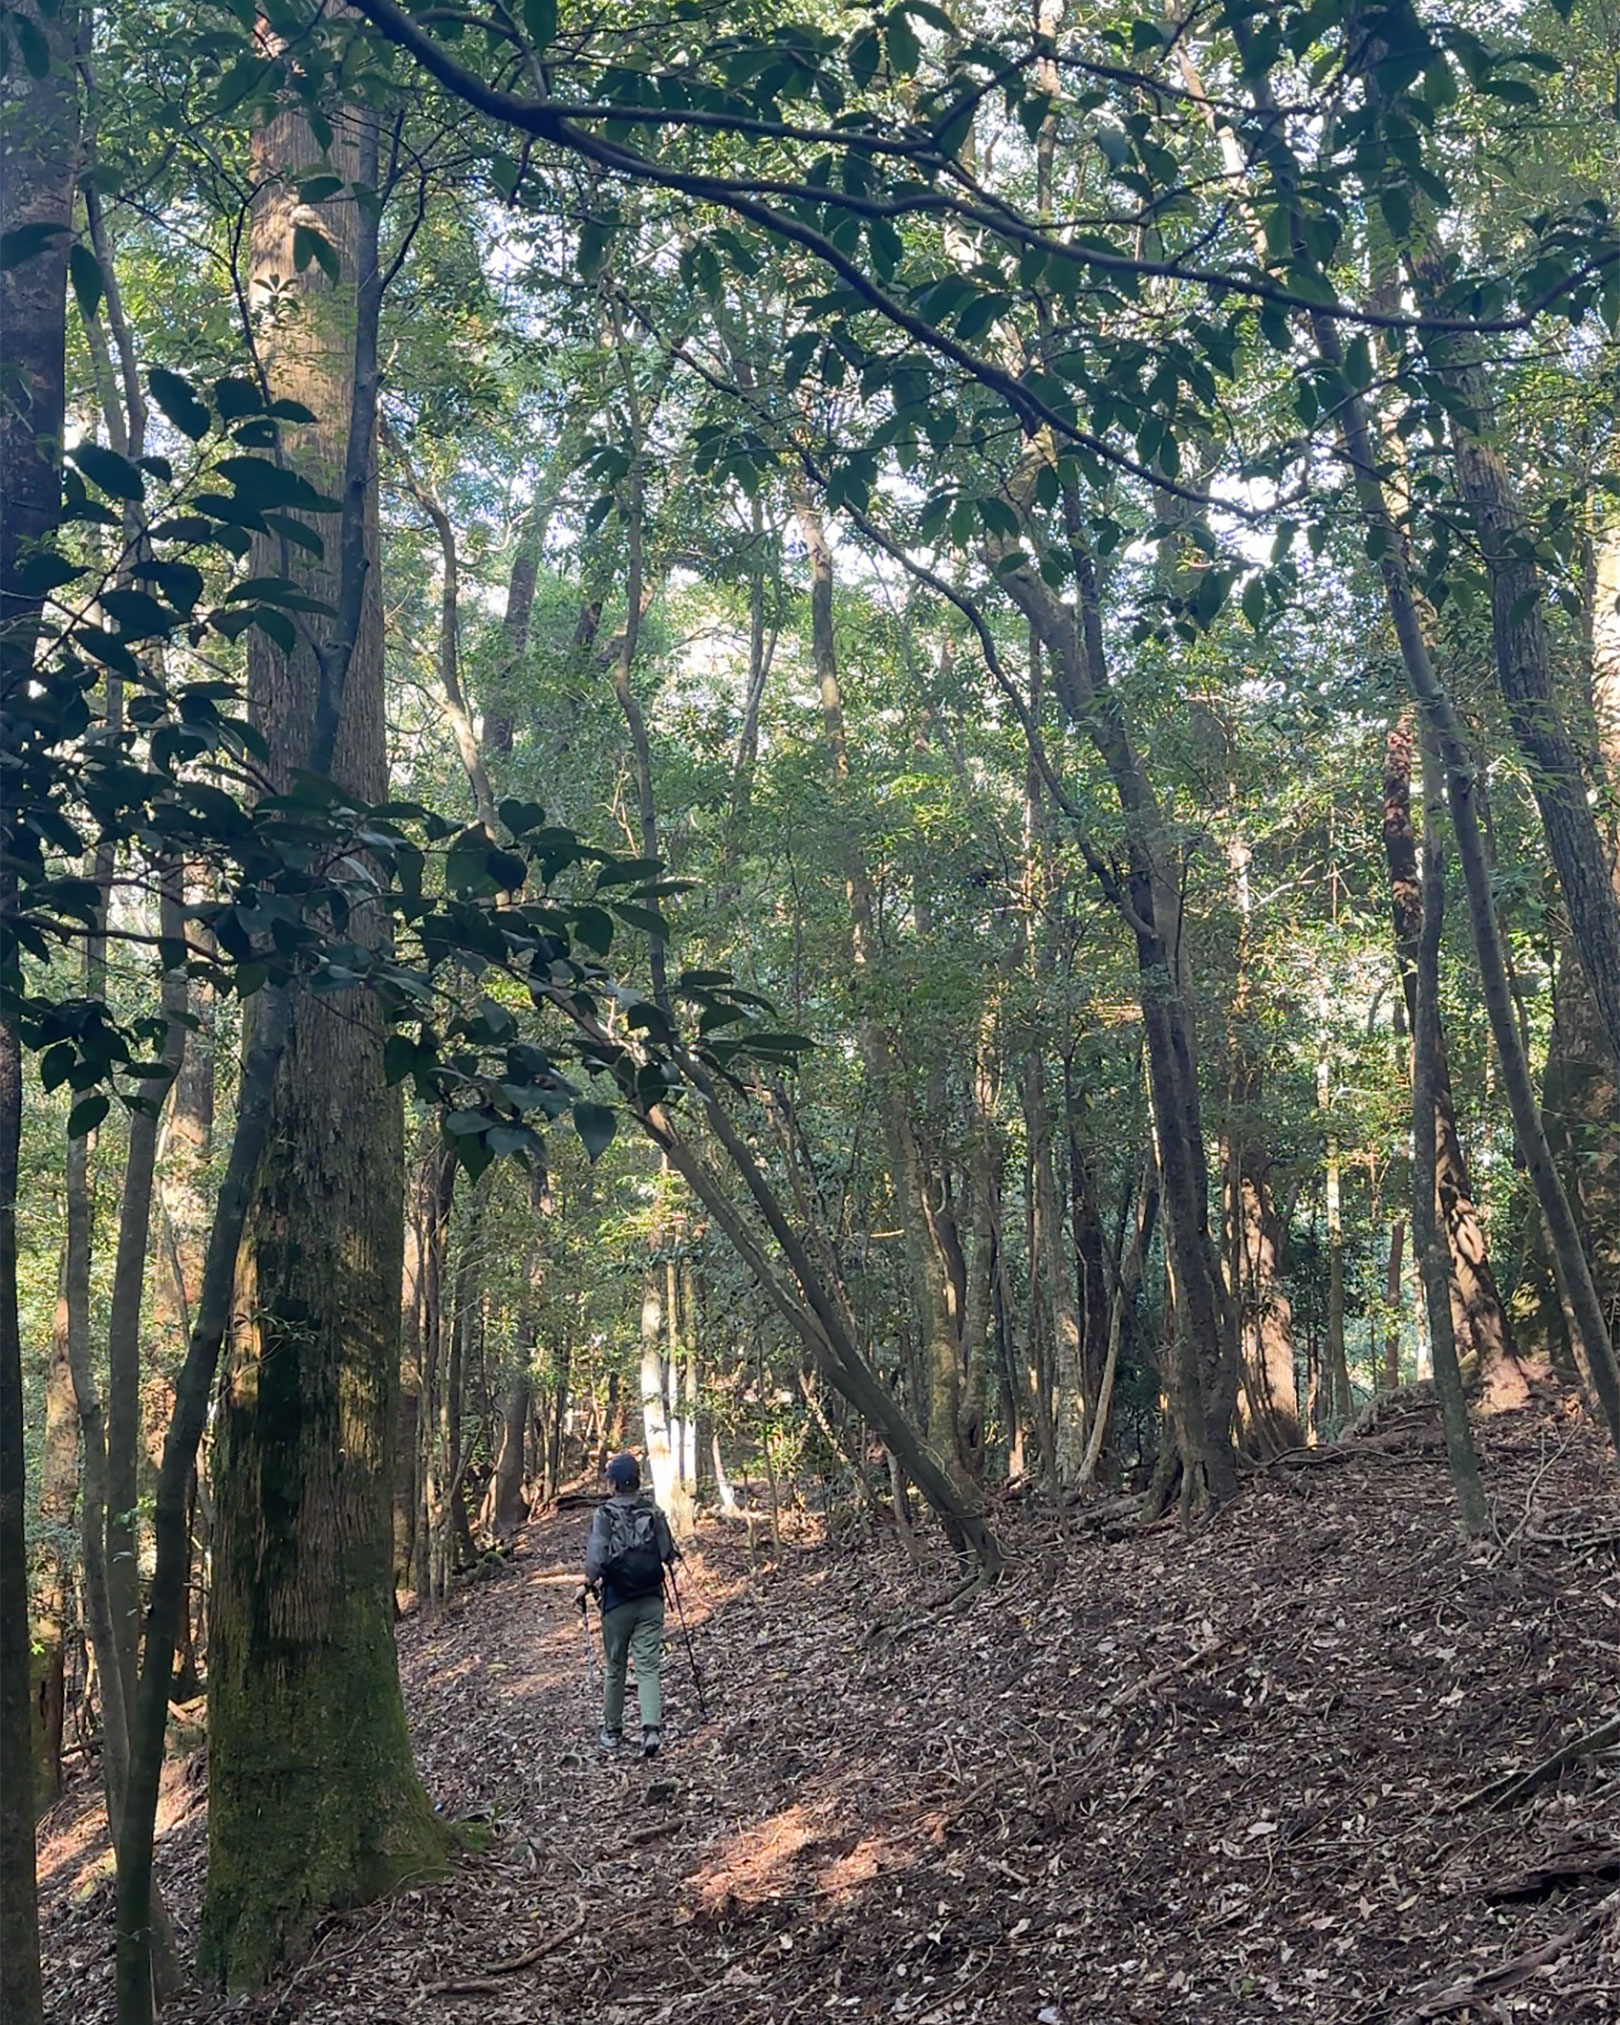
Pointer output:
313, 1798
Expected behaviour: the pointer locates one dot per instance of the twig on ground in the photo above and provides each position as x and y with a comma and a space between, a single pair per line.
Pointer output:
1517, 1969
1511, 1786
486, 1986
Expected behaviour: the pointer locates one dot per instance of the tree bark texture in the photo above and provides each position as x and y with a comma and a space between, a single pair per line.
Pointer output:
314, 1800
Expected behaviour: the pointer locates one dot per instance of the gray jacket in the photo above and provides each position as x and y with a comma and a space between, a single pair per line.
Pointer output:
596, 1546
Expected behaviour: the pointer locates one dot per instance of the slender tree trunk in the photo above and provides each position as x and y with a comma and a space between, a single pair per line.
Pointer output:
1428, 1238
1563, 1233
314, 1799
20, 1993
124, 1324
1203, 1373
504, 1509
461, 723
1581, 1092
1524, 668
1055, 1279
53, 1612
1269, 1398
1392, 1300
39, 133
976, 1312
1479, 1316
654, 1411
926, 1267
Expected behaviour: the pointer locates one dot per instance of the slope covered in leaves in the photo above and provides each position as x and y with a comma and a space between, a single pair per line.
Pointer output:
1239, 1775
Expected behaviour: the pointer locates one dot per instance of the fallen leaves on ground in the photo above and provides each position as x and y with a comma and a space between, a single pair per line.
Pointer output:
1233, 1775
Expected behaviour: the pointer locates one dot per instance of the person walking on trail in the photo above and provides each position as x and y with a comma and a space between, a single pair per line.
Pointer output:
625, 1558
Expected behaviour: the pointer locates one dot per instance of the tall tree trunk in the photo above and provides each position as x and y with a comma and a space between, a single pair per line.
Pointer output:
1202, 1376
1055, 1279
1581, 1092
654, 1410
1392, 1301
1428, 1237
39, 131
1479, 1317
1524, 668
504, 1509
438, 1198
1336, 1391
314, 1800
124, 1322
1269, 1399
20, 1994
1563, 1233
58, 1494
455, 701
983, 1184
926, 1267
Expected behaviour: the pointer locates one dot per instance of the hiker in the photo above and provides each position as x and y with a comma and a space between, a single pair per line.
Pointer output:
629, 1549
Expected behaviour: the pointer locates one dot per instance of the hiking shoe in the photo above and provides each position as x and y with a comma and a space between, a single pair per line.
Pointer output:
650, 1741
610, 1740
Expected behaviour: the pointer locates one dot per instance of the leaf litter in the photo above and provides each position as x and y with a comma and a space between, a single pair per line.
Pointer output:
1294, 1764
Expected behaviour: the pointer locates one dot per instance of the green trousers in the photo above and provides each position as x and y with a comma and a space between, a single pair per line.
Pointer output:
633, 1630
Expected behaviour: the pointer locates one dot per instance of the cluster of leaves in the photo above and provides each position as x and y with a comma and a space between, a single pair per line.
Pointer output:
307, 876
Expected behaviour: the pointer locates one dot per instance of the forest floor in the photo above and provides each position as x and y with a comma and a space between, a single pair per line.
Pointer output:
1233, 1775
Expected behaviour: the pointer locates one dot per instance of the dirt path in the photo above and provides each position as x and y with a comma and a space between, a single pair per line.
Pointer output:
1214, 1779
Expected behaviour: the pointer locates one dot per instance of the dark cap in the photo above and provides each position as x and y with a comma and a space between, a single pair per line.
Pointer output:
624, 1472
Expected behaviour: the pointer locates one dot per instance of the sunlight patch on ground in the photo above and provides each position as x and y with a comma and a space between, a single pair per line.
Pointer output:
757, 1864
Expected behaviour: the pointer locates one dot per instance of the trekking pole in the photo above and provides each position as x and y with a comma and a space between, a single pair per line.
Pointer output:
691, 1657
590, 1650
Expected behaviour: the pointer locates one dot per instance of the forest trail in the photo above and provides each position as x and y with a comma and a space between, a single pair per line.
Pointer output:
1156, 1778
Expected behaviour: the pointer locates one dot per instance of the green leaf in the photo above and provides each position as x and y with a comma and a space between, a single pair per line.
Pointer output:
139, 616
178, 399
594, 928
28, 242
236, 397
295, 531
115, 475
628, 872
309, 244
900, 40
863, 57
87, 1114
89, 285
643, 918
540, 19
276, 624
595, 1124
44, 572
1254, 602
399, 1058
36, 51
316, 189
55, 1065
277, 591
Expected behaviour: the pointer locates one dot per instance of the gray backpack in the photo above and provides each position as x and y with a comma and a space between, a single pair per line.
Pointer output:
632, 1562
